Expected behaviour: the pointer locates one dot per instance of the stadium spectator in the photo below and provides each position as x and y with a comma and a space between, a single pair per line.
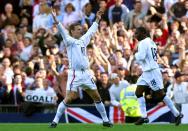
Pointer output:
9, 18
103, 86
42, 19
122, 72
26, 10
78, 5
16, 95
28, 77
116, 12
3, 87
178, 10
160, 35
120, 60
7, 52
180, 90
167, 78
156, 10
168, 4
128, 55
134, 17
57, 9
134, 72
25, 55
70, 16
3, 93
42, 86
87, 16
116, 88
36, 7
8, 73
103, 5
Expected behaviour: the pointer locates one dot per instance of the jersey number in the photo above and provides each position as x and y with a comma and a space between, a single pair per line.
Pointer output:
154, 53
83, 50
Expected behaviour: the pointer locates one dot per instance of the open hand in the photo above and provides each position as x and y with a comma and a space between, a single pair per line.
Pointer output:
99, 14
54, 15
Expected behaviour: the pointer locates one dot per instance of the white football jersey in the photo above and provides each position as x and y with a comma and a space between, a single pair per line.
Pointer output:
147, 54
76, 48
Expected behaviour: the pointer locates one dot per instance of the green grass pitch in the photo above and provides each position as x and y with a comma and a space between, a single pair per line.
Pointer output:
91, 127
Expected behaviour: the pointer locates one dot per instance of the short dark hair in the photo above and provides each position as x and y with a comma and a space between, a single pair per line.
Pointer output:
103, 0
104, 73
136, 1
69, 5
16, 75
141, 33
178, 74
118, 50
72, 27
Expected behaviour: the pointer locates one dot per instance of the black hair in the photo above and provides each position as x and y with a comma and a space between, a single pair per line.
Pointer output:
104, 73
17, 75
69, 5
118, 50
141, 33
136, 1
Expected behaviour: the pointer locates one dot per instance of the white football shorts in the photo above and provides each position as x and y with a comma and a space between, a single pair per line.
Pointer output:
152, 78
80, 78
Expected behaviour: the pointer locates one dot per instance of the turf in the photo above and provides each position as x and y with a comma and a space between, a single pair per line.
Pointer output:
91, 127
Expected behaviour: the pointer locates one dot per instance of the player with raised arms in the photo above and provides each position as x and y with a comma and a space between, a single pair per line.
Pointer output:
78, 74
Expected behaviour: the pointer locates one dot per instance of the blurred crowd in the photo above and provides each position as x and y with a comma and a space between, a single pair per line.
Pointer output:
33, 56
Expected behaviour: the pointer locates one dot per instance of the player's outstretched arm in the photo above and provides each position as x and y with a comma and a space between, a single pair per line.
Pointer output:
93, 29
64, 33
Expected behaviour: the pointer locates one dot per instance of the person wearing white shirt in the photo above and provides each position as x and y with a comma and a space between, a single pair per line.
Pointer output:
26, 52
42, 86
42, 19
78, 4
151, 76
70, 16
36, 7
8, 72
78, 73
180, 90
116, 88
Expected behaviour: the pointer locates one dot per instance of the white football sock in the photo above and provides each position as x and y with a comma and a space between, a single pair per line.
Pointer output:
171, 106
142, 103
60, 110
101, 109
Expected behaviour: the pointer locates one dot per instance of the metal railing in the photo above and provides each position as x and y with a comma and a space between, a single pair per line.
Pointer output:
7, 108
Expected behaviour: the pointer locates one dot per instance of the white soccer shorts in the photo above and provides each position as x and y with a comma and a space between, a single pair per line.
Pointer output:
80, 78
152, 78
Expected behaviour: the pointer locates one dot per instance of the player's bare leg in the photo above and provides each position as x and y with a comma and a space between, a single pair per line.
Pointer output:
161, 96
142, 102
100, 106
70, 96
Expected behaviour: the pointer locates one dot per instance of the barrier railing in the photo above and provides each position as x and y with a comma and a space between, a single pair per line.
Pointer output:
5, 108
85, 113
